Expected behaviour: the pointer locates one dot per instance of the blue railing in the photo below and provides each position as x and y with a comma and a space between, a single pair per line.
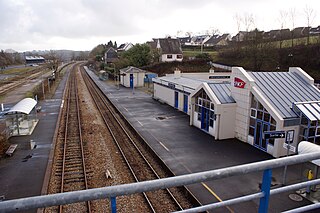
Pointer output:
112, 192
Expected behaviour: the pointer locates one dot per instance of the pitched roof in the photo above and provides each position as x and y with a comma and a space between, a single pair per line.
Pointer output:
167, 45
282, 89
131, 69
222, 91
215, 39
111, 55
34, 58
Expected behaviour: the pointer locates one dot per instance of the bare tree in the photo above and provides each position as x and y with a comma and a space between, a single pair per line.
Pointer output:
53, 61
248, 21
189, 34
283, 16
310, 15
238, 20
292, 17
179, 33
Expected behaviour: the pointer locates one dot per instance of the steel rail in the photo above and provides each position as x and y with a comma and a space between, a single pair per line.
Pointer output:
116, 141
73, 85
106, 103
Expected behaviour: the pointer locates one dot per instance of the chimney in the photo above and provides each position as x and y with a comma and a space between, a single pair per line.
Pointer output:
177, 73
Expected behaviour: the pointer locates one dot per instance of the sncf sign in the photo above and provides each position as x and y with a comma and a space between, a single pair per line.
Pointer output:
239, 83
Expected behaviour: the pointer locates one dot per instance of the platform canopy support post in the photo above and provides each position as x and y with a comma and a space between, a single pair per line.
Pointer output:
265, 188
113, 205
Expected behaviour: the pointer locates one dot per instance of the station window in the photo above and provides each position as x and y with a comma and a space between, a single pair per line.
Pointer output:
169, 56
253, 113
179, 56
318, 131
260, 114
203, 102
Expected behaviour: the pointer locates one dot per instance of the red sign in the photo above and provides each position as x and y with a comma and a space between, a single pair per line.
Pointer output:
239, 83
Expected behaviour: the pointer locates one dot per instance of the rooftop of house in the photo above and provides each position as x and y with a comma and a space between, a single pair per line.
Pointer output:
167, 45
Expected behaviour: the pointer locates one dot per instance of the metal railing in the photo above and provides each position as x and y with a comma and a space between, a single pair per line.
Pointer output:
112, 192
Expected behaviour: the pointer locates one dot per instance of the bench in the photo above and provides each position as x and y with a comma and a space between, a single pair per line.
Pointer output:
11, 149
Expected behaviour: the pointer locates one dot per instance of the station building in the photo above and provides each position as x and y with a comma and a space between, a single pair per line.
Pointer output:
247, 104
132, 77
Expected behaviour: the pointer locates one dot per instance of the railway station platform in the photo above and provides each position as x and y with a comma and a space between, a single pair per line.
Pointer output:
22, 174
186, 149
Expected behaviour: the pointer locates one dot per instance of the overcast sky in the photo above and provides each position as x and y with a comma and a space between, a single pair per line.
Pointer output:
83, 24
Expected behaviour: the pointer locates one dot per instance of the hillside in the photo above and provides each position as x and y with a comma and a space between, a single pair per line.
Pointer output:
268, 57
185, 66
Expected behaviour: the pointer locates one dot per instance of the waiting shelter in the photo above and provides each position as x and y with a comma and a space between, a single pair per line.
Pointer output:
132, 77
21, 119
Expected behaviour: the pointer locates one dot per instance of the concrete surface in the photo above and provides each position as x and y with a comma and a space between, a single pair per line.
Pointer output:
186, 149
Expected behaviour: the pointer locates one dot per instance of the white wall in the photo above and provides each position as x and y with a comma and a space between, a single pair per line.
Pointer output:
138, 79
242, 98
225, 121
174, 58
165, 94
205, 76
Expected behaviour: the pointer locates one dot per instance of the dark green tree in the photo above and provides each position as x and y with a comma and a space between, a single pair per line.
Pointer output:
138, 56
110, 44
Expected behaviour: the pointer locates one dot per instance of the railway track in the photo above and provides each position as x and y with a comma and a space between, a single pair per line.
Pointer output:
72, 169
7, 87
143, 165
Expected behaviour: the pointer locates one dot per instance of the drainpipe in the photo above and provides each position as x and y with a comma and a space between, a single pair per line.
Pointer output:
217, 121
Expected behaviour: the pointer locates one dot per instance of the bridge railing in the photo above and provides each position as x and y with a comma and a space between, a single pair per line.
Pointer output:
112, 192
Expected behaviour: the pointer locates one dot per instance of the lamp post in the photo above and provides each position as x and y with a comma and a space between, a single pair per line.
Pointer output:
116, 75
290, 59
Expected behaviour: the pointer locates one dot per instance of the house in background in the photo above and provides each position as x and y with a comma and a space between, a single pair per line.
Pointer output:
217, 40
111, 55
184, 40
169, 49
124, 47
198, 40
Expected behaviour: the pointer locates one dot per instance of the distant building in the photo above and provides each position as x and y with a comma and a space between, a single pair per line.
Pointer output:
110, 55
184, 40
198, 40
168, 48
217, 40
34, 60
124, 47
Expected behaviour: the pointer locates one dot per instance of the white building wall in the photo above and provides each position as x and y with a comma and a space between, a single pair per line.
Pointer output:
174, 58
242, 98
164, 94
138, 79
225, 121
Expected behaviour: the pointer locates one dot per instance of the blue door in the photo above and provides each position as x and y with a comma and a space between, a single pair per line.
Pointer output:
131, 81
205, 119
176, 99
259, 141
185, 103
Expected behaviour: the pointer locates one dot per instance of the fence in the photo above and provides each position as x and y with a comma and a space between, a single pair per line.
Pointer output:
114, 191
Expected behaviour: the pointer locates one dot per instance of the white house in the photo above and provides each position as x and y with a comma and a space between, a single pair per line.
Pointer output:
132, 77
169, 49
124, 47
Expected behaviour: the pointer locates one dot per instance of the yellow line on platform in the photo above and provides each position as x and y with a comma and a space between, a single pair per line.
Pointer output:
215, 195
